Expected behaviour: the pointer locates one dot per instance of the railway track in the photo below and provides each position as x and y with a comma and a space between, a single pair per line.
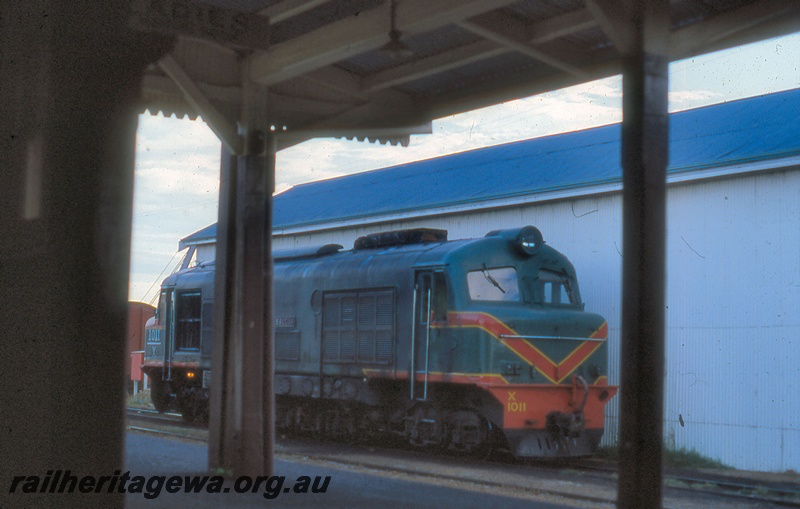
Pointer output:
762, 492
146, 415
776, 493
169, 425
597, 478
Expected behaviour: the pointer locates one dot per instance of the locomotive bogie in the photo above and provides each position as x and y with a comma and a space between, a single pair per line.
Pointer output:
461, 345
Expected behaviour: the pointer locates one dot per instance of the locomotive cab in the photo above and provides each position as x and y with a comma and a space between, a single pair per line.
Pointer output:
178, 344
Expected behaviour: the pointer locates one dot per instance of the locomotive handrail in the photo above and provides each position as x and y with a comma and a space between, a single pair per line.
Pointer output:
413, 374
427, 345
567, 338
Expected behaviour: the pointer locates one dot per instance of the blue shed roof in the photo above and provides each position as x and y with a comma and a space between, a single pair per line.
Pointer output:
747, 130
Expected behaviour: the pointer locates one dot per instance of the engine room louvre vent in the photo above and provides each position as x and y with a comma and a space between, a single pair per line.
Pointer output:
287, 345
399, 238
358, 327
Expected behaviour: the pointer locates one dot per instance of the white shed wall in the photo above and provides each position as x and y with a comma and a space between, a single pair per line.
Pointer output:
733, 320
733, 299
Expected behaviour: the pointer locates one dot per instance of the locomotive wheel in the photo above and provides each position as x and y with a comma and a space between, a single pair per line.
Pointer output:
367, 427
194, 412
159, 395
424, 427
350, 427
193, 407
470, 433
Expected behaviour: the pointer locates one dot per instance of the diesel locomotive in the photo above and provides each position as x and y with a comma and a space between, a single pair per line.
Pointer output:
463, 345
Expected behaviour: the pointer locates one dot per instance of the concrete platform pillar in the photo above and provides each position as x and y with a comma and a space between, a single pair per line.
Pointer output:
69, 81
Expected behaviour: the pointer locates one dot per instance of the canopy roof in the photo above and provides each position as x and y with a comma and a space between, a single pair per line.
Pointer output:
315, 68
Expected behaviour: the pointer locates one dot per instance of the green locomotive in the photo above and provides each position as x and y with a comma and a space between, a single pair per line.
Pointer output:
465, 345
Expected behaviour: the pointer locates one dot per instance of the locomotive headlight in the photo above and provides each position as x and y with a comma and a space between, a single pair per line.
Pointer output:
529, 240
190, 374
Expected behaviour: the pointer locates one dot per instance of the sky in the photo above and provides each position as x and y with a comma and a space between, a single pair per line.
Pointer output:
177, 161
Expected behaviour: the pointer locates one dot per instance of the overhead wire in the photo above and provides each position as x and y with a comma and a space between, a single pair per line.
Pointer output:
158, 280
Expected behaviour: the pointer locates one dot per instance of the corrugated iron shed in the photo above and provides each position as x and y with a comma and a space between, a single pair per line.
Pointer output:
725, 135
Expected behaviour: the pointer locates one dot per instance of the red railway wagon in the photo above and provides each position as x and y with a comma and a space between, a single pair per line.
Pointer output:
138, 314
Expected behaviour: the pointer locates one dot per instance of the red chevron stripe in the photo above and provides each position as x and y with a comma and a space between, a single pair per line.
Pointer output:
556, 373
601, 333
575, 358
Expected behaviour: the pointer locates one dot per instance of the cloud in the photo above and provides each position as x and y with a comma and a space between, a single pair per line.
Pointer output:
583, 106
164, 134
185, 180
688, 99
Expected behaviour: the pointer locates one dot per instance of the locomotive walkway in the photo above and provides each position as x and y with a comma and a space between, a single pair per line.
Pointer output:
156, 458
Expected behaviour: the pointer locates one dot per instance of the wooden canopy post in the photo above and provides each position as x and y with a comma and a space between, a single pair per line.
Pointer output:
241, 432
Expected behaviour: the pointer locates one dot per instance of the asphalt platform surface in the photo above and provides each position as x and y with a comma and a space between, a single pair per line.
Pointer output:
153, 458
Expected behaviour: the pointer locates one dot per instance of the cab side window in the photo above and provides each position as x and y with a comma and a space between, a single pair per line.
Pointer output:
188, 320
556, 289
434, 285
439, 304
